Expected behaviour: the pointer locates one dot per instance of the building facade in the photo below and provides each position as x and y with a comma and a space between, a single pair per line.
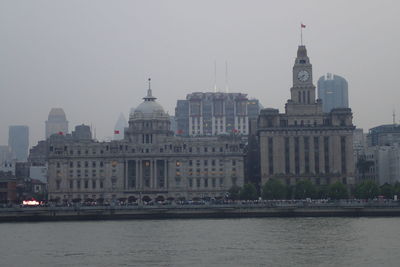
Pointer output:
384, 135
56, 122
215, 113
304, 142
8, 188
5, 154
333, 91
18, 142
150, 163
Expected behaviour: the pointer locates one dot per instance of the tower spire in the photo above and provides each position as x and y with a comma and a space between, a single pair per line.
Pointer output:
149, 96
394, 117
215, 76
226, 78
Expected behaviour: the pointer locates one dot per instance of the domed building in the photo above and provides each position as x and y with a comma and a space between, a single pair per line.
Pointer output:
148, 123
149, 164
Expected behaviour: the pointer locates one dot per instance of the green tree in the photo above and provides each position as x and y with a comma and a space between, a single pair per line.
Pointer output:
274, 189
305, 189
387, 190
338, 191
248, 192
322, 191
234, 192
367, 190
396, 189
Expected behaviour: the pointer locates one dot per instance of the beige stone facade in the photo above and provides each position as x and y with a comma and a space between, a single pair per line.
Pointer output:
304, 142
149, 163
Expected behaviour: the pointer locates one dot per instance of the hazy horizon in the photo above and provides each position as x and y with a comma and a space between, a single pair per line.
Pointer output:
93, 58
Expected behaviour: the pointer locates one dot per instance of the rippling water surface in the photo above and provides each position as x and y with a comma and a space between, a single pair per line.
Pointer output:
205, 242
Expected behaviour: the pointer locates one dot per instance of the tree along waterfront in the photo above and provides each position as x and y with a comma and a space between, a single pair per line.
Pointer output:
274, 189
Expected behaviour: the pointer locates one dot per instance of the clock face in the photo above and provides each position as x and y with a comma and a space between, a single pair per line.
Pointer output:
303, 75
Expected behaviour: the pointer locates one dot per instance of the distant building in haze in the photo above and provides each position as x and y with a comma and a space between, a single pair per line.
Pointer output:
18, 141
82, 132
215, 113
384, 135
56, 122
5, 154
333, 90
120, 127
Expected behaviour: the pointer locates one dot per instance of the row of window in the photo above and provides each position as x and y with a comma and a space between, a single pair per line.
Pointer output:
83, 184
202, 182
85, 164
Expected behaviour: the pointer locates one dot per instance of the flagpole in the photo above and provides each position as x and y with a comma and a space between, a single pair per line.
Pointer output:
301, 33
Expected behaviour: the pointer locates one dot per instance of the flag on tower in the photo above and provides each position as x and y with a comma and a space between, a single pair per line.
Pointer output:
303, 25
116, 132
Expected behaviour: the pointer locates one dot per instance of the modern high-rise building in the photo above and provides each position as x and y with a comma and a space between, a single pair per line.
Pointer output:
120, 127
304, 142
5, 154
18, 141
56, 122
333, 90
384, 135
215, 113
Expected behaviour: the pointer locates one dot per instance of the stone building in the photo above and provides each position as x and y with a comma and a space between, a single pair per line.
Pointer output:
304, 142
150, 163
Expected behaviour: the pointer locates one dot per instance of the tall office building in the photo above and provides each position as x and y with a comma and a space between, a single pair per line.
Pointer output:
18, 141
215, 113
384, 135
120, 127
56, 122
5, 154
304, 142
333, 90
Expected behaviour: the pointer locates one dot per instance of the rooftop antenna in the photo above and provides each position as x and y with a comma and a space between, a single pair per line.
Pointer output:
215, 76
394, 117
226, 78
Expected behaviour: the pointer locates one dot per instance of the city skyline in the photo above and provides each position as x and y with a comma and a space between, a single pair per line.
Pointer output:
94, 65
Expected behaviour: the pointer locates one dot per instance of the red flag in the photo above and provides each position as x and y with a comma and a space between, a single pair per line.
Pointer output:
60, 133
303, 25
116, 131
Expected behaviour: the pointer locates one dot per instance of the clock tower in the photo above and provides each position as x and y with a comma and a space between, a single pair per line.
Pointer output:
303, 90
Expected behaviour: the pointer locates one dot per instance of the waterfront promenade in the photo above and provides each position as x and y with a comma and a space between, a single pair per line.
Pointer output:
202, 210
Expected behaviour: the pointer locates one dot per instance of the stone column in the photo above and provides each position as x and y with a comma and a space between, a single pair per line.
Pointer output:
335, 154
301, 154
151, 173
311, 154
155, 174
139, 174
291, 154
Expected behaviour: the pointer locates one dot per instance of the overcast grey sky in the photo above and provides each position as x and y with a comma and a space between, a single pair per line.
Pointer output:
93, 58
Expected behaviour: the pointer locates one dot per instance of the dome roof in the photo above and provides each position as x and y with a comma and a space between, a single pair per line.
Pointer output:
149, 109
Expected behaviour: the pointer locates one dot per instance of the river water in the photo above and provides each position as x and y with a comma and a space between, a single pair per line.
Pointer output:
204, 242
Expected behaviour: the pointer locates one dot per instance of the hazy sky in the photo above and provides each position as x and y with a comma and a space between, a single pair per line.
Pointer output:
93, 58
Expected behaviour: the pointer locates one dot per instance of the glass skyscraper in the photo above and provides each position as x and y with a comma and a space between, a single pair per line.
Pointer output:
333, 90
